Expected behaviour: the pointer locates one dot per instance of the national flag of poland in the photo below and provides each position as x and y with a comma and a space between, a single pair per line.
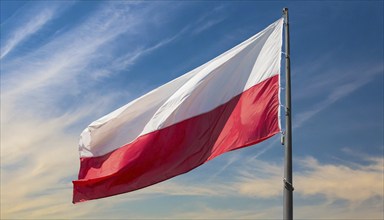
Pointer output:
226, 104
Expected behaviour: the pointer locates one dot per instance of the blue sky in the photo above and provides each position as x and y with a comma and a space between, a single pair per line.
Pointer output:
67, 63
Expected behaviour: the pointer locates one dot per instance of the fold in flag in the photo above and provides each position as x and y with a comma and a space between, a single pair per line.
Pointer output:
228, 103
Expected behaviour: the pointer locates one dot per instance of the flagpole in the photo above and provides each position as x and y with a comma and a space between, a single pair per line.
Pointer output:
288, 184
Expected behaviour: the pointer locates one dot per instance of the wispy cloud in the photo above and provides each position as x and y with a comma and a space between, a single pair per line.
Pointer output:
124, 62
69, 65
33, 25
214, 17
207, 24
38, 134
333, 85
65, 57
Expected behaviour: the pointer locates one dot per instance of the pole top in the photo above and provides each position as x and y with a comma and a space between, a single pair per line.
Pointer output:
285, 14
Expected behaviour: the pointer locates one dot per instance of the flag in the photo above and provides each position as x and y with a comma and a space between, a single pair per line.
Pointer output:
228, 103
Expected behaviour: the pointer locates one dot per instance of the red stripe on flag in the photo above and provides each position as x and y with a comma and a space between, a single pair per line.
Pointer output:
246, 119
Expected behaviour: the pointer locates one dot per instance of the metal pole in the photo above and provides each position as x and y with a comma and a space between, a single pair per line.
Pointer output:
288, 184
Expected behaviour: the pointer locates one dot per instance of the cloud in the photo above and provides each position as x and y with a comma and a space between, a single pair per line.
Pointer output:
38, 162
354, 185
30, 27
66, 57
70, 65
204, 212
215, 16
335, 84
274, 211
333, 181
35, 157
207, 24
262, 179
40, 122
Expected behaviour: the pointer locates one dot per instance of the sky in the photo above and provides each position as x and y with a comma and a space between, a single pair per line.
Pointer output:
65, 64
